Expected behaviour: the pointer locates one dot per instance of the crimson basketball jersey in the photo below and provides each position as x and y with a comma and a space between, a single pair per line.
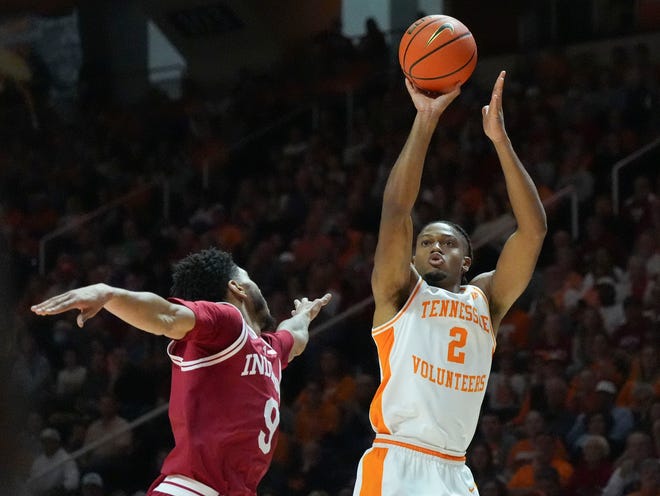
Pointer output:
224, 403
435, 356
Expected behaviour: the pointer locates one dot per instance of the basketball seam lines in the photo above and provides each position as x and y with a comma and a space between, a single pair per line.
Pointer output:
435, 50
445, 75
419, 30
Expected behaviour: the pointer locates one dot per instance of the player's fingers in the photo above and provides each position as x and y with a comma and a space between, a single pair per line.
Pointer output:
57, 304
86, 314
484, 110
50, 302
411, 87
499, 85
456, 90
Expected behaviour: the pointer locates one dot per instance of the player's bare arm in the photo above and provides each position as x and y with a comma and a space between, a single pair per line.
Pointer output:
521, 251
392, 274
301, 316
146, 311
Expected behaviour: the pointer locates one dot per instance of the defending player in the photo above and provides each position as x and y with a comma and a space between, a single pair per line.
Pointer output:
226, 369
435, 337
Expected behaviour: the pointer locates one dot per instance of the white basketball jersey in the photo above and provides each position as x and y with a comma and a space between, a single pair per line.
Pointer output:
435, 357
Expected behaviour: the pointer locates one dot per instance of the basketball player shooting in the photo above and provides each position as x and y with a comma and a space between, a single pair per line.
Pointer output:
435, 336
226, 368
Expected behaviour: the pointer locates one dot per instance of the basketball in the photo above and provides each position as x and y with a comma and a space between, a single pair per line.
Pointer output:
436, 52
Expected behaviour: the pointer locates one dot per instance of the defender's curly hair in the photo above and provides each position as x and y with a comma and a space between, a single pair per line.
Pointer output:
203, 276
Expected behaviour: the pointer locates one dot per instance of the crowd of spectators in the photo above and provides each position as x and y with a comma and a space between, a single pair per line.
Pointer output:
573, 403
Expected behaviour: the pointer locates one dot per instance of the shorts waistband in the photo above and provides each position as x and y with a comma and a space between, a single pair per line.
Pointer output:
389, 440
180, 485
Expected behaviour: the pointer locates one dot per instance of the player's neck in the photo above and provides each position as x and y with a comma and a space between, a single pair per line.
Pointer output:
253, 323
242, 307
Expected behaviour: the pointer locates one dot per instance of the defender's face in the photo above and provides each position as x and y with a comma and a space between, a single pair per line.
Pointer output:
441, 255
256, 304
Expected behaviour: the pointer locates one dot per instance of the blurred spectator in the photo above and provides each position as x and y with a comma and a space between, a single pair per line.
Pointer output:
552, 343
356, 434
314, 417
601, 266
597, 424
71, 377
593, 468
649, 478
111, 454
604, 360
500, 441
480, 461
492, 487
506, 387
91, 484
559, 419
30, 435
638, 207
32, 371
647, 247
636, 278
644, 369
54, 470
543, 457
515, 329
97, 379
628, 467
587, 324
524, 450
636, 330
622, 418
372, 46
610, 309
641, 406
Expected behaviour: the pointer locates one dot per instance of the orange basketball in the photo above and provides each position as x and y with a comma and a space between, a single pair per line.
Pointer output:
436, 52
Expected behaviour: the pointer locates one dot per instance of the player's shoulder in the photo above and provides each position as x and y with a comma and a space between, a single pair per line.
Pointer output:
213, 307
484, 282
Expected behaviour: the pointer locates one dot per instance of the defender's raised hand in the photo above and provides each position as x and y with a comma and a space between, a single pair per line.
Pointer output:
301, 316
311, 307
89, 300
493, 115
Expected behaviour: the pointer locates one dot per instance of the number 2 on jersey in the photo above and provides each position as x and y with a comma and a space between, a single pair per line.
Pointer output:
460, 338
272, 419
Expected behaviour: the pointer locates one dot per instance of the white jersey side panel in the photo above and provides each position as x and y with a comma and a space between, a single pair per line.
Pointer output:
435, 357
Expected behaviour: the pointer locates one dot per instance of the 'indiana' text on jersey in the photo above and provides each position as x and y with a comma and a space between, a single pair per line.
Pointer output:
258, 364
435, 357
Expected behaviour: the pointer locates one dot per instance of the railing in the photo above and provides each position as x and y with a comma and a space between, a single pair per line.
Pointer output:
156, 412
83, 219
616, 168
163, 183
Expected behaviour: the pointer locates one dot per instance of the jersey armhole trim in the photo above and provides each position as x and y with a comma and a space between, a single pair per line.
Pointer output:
231, 350
385, 326
492, 331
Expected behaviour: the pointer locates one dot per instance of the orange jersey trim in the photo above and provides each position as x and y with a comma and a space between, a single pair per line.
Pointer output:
385, 344
419, 449
372, 472
390, 323
492, 333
